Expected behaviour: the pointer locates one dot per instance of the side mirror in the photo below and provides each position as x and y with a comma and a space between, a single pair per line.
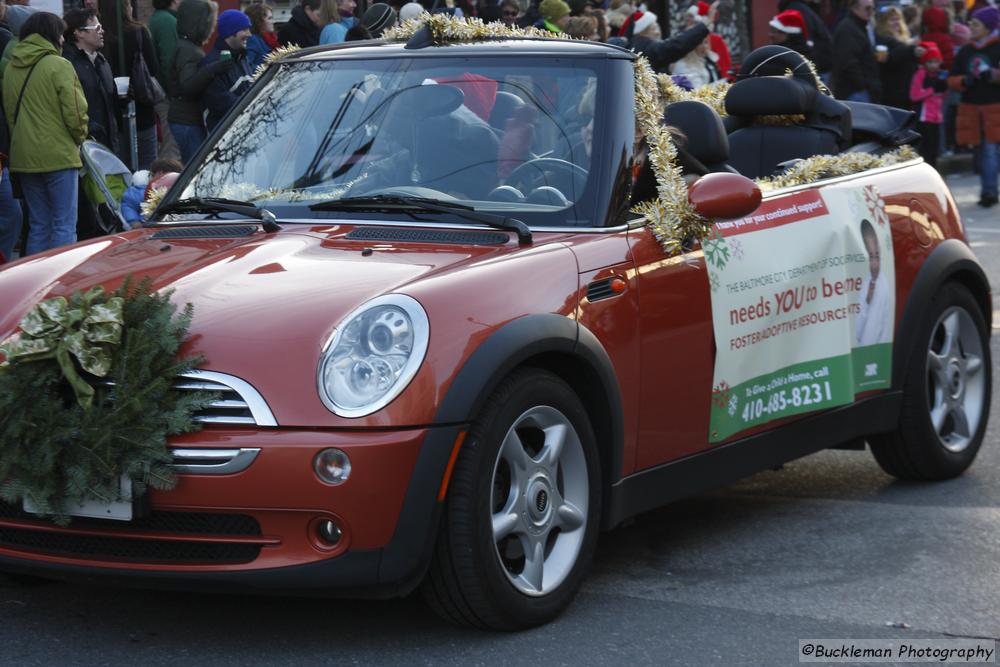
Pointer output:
724, 196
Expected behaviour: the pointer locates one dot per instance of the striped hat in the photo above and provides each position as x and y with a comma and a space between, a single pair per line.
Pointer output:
379, 18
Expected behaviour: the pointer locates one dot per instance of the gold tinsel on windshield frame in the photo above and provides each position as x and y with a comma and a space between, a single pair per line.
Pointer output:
273, 57
671, 214
446, 28
153, 198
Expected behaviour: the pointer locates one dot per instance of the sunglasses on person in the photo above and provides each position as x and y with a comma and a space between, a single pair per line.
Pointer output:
96, 26
510, 14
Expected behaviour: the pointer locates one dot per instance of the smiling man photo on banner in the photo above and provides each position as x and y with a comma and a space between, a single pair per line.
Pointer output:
873, 323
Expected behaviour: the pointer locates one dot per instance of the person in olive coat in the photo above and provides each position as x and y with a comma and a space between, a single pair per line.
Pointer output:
46, 131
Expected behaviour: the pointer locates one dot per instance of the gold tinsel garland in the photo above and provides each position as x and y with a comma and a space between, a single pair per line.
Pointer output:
819, 167
714, 94
671, 214
446, 28
273, 57
153, 198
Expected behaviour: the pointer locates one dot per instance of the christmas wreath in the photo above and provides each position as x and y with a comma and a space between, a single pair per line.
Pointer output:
87, 398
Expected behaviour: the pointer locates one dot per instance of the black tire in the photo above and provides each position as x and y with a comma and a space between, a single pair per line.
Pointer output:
468, 582
917, 450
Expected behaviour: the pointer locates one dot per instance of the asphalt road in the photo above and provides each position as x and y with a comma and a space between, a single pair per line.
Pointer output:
827, 547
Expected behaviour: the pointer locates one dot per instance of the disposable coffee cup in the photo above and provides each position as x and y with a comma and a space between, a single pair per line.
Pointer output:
881, 53
225, 55
121, 85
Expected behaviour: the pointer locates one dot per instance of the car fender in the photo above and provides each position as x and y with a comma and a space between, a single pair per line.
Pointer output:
950, 260
519, 342
533, 340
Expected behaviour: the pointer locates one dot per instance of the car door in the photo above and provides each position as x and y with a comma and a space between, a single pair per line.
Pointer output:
676, 350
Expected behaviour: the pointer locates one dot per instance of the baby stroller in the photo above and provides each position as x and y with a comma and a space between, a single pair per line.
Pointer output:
105, 179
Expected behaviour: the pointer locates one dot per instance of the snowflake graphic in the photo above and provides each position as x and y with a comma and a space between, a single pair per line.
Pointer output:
876, 205
720, 394
737, 248
716, 249
734, 403
713, 281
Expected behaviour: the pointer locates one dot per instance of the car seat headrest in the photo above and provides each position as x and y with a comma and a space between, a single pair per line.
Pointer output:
770, 95
776, 60
707, 139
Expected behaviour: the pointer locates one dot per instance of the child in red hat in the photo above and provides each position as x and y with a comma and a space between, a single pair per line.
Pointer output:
928, 87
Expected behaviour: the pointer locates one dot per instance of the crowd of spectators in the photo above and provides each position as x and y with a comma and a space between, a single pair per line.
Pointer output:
940, 58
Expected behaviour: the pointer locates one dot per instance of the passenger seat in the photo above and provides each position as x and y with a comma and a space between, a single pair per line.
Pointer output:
759, 149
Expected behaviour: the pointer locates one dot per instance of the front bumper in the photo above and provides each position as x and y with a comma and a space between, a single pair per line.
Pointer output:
259, 532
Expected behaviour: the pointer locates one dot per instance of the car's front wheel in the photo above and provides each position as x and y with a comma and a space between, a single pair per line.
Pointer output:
521, 515
946, 393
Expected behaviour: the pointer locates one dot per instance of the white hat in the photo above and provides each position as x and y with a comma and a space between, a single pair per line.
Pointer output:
410, 10
645, 20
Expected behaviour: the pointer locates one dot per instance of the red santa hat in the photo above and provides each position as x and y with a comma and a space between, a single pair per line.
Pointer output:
931, 52
699, 10
642, 20
790, 22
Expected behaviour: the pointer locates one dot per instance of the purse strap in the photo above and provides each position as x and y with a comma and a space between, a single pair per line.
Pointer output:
17, 109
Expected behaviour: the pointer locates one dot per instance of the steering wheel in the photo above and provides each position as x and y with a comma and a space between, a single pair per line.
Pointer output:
549, 171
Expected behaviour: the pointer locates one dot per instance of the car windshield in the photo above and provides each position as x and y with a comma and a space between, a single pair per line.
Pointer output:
510, 135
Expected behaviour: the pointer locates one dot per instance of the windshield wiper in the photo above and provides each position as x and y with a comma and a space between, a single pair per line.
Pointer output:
220, 205
384, 202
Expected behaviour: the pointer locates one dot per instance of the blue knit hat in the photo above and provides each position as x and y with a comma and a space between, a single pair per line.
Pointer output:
231, 22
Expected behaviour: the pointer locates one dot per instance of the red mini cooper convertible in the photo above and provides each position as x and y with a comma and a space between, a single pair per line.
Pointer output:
451, 349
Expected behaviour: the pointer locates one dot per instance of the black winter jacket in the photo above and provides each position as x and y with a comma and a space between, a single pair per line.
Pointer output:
299, 30
971, 63
855, 68
228, 84
187, 80
144, 116
897, 72
662, 53
99, 89
821, 52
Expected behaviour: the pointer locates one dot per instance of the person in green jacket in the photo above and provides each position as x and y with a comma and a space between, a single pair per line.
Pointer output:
46, 130
163, 30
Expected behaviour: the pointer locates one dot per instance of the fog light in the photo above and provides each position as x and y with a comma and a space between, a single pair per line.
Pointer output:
329, 532
332, 466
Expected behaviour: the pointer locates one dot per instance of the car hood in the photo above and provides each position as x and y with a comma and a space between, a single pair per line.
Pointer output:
264, 304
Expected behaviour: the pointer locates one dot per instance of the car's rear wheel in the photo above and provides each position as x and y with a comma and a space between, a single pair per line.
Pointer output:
946, 393
521, 516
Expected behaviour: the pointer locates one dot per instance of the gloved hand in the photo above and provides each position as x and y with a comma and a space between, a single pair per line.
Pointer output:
985, 74
938, 83
683, 81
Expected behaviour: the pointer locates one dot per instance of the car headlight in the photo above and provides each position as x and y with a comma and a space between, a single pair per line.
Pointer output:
372, 355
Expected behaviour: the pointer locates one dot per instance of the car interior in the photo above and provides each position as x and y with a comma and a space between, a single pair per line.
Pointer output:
774, 120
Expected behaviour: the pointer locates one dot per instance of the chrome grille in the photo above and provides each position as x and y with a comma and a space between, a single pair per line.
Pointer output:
237, 402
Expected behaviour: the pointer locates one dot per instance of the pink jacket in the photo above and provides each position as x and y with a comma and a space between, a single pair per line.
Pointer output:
930, 110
